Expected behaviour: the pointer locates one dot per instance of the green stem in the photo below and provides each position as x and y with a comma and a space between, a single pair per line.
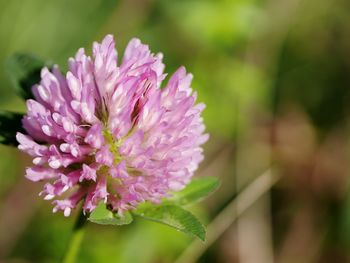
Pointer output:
72, 250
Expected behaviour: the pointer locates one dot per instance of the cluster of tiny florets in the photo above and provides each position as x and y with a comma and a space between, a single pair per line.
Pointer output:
108, 133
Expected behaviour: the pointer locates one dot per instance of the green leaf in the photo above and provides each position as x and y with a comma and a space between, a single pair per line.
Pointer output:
173, 216
101, 215
198, 189
10, 124
24, 71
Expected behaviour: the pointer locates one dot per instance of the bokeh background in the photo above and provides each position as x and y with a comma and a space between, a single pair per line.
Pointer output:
275, 76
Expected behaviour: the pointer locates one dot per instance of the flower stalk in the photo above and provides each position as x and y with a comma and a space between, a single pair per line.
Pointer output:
73, 247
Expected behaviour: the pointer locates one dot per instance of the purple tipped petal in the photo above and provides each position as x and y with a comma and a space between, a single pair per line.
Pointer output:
94, 136
38, 173
104, 156
88, 173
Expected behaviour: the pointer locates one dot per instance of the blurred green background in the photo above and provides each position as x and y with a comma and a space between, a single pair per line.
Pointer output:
275, 76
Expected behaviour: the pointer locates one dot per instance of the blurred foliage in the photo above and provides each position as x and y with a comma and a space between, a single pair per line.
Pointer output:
275, 76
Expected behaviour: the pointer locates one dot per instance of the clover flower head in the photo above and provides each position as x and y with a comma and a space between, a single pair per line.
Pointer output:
109, 133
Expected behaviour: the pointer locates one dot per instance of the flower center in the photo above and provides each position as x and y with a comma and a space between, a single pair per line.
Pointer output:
113, 145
